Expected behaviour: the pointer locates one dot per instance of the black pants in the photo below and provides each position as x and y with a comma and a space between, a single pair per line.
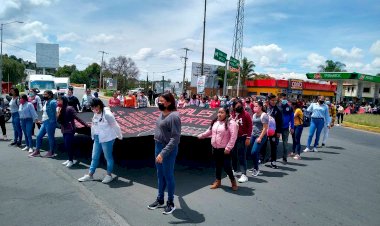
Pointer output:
222, 161
2, 124
340, 116
273, 147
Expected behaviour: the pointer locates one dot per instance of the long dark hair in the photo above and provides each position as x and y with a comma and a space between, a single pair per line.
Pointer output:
61, 116
226, 120
261, 104
170, 98
97, 102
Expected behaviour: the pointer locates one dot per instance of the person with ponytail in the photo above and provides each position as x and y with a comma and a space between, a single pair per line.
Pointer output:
223, 132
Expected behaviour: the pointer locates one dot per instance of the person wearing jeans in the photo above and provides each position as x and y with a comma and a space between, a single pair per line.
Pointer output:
319, 118
49, 124
104, 131
298, 128
27, 116
167, 137
2, 121
287, 124
14, 106
275, 112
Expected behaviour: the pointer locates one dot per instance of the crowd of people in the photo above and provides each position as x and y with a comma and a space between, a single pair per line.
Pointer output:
242, 125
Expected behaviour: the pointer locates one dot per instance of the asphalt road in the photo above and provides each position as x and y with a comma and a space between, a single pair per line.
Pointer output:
340, 185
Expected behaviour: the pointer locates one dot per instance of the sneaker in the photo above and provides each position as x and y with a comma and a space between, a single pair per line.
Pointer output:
31, 150
337, 124
69, 164
307, 150
315, 149
250, 170
65, 162
4, 138
85, 178
169, 208
323, 145
13, 143
49, 154
273, 165
243, 178
107, 179
25, 148
291, 154
156, 204
284, 160
18, 145
35, 154
255, 173
75, 161
297, 157
235, 173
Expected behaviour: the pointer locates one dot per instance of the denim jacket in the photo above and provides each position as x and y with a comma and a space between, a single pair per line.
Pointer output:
51, 111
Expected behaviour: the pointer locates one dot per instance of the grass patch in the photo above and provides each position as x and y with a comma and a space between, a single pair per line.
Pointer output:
364, 119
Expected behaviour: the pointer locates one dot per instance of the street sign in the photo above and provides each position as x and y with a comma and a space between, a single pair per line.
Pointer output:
220, 56
234, 63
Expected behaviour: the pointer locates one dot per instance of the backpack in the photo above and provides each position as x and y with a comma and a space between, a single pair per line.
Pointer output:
306, 118
271, 126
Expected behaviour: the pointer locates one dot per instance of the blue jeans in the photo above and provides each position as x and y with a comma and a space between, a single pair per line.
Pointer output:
97, 148
238, 154
316, 125
49, 128
256, 147
68, 142
17, 131
165, 172
27, 126
297, 139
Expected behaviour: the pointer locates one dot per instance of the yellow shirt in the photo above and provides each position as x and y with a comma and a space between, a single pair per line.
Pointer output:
298, 117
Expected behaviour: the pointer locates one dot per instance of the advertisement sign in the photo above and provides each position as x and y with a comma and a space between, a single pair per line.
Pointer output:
295, 84
47, 55
201, 84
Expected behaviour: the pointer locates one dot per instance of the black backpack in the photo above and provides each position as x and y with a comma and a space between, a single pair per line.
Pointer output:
306, 118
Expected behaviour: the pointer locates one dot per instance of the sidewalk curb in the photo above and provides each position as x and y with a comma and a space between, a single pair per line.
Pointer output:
361, 127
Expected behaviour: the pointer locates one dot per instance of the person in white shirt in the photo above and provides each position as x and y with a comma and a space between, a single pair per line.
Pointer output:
104, 131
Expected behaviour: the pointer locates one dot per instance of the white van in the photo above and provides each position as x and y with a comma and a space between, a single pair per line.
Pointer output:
62, 83
41, 82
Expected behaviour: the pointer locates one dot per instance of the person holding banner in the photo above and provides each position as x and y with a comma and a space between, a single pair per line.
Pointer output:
223, 132
167, 137
104, 131
114, 101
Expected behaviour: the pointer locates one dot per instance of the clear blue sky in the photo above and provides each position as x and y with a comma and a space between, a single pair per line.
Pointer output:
283, 38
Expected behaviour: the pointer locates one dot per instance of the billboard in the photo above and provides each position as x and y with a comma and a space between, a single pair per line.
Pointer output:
47, 55
209, 70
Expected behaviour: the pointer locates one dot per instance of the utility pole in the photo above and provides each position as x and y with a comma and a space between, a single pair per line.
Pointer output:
163, 84
225, 79
101, 68
184, 69
204, 34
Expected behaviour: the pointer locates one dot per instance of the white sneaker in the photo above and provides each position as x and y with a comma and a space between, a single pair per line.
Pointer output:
255, 173
107, 179
69, 164
315, 149
250, 170
85, 178
31, 150
65, 162
25, 148
235, 173
75, 161
243, 178
307, 150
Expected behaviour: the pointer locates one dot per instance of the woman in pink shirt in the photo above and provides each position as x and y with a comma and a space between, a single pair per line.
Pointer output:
181, 102
114, 101
223, 133
215, 103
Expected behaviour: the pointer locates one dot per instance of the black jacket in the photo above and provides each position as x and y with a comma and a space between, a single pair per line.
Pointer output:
74, 102
277, 115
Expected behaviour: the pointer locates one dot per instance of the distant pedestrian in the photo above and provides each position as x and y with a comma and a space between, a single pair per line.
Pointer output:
114, 101
73, 100
194, 101
28, 116
298, 128
215, 103
167, 137
223, 132
340, 113
96, 93
14, 105
37, 103
287, 126
332, 113
2, 121
104, 131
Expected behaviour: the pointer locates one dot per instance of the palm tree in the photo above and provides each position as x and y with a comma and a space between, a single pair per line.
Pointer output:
246, 70
331, 66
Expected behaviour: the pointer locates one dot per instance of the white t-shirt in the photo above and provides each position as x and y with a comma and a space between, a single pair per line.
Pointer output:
44, 114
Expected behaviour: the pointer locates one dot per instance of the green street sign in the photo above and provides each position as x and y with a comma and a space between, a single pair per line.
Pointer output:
234, 63
220, 56
330, 75
368, 78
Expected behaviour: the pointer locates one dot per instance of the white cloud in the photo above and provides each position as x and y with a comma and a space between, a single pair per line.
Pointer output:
101, 38
266, 55
279, 16
84, 59
64, 50
168, 54
30, 32
68, 37
42, 2
375, 48
376, 63
343, 54
143, 54
313, 61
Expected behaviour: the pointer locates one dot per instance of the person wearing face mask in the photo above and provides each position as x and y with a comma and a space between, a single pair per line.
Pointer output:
49, 124
104, 131
332, 114
28, 116
223, 133
73, 100
167, 137
36, 101
287, 126
239, 152
319, 118
14, 105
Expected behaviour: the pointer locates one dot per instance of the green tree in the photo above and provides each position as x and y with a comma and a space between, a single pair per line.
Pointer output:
93, 71
332, 66
80, 78
248, 67
13, 69
65, 71
231, 77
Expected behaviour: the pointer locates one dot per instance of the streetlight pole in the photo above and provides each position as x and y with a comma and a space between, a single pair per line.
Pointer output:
1, 53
